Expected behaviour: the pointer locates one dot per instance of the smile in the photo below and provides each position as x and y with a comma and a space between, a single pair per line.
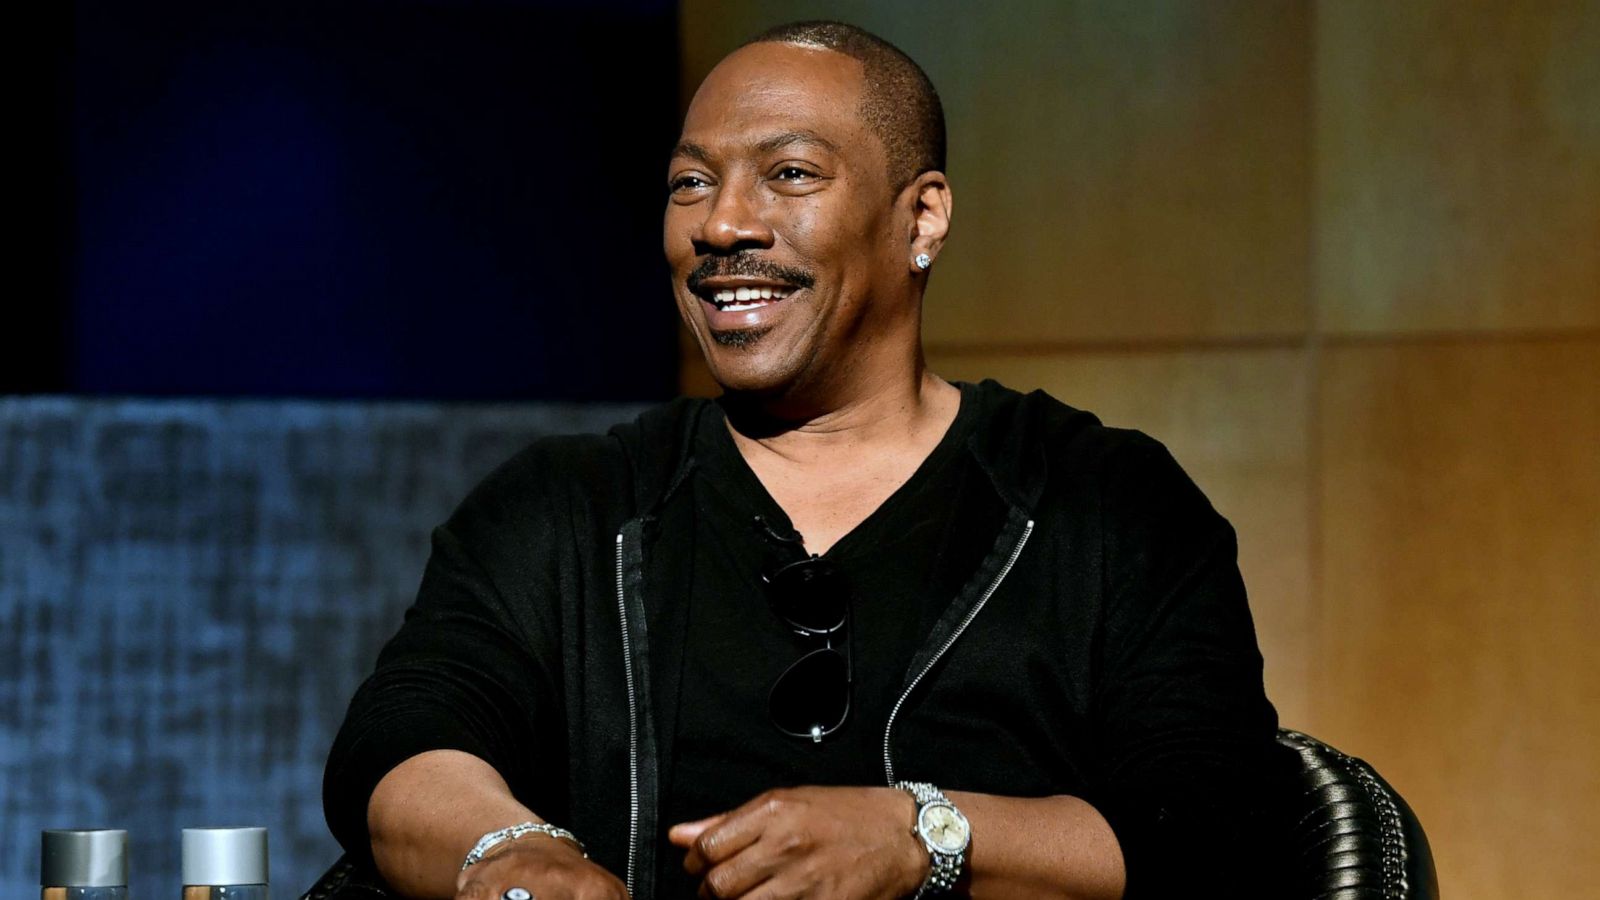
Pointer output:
747, 298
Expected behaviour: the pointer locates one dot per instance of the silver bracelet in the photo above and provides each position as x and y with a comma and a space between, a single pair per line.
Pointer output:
495, 838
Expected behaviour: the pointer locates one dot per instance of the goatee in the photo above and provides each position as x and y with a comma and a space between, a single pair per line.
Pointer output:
739, 338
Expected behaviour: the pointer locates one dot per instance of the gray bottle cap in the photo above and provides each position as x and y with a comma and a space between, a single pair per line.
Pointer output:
217, 856
94, 857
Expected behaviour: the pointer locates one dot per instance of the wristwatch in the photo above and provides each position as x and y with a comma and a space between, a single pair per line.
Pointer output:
944, 831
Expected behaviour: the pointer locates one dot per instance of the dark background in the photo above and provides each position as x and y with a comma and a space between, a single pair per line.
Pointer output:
453, 200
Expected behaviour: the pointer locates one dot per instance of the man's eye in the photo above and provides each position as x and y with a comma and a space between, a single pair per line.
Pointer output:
794, 173
686, 183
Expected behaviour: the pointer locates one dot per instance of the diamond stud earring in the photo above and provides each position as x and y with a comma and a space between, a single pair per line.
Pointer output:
923, 261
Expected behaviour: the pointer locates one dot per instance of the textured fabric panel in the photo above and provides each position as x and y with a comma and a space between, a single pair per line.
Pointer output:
190, 591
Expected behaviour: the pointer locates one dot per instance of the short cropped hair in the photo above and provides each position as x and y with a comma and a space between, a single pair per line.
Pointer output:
901, 105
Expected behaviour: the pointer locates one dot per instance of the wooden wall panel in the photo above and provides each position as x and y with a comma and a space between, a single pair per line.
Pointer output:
1121, 171
1458, 165
1236, 421
1460, 603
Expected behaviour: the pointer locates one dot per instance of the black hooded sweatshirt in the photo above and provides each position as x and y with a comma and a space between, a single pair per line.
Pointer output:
1102, 648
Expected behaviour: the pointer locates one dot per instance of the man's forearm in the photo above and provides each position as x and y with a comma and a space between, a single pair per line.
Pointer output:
428, 812
1059, 847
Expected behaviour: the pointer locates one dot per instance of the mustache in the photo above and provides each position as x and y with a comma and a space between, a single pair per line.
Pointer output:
747, 265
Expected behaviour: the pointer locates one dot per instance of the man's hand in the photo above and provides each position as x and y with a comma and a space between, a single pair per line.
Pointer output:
549, 868
847, 843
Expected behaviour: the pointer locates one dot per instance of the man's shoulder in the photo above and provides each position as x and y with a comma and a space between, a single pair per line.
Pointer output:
620, 471
1034, 436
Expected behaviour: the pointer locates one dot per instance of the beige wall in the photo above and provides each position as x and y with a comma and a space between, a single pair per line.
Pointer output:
1343, 258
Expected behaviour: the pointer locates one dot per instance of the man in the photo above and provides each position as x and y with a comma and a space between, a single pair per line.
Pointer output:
850, 631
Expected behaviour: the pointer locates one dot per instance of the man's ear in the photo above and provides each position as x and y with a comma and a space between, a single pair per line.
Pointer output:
931, 207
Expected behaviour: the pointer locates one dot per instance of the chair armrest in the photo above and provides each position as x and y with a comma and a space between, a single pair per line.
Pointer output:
348, 880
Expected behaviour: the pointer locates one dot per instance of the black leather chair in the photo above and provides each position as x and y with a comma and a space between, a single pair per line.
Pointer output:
1352, 836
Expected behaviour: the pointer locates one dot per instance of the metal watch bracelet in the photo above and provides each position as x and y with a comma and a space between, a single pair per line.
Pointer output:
944, 867
495, 838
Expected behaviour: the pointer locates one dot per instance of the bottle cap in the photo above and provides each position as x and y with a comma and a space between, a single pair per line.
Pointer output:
217, 856
89, 857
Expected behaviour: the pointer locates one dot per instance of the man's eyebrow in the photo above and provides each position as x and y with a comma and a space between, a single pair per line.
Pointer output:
693, 151
779, 141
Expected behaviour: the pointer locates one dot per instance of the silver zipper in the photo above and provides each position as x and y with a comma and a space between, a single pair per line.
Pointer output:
888, 729
633, 724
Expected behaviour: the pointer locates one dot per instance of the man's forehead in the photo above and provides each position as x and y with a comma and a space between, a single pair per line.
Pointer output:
763, 91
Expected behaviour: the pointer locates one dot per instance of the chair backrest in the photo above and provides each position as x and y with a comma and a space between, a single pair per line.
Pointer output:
1353, 837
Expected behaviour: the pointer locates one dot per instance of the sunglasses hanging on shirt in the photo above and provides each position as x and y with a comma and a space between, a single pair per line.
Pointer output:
811, 699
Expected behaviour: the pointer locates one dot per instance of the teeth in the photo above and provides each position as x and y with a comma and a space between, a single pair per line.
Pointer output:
739, 299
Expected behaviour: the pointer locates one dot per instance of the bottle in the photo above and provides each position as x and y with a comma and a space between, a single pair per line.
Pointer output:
224, 864
83, 864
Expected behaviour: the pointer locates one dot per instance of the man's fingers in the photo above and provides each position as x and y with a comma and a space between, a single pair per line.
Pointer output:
683, 835
732, 833
807, 841
738, 876
735, 830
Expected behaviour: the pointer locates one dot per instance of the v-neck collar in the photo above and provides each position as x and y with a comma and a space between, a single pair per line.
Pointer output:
724, 457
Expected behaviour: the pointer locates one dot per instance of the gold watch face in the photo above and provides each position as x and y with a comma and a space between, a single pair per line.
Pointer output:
943, 827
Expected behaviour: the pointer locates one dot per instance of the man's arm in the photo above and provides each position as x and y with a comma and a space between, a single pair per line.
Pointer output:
429, 811
857, 843
1188, 773
461, 716
455, 678
1040, 847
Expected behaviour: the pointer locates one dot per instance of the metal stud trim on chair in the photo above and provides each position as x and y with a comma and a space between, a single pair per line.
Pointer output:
1348, 805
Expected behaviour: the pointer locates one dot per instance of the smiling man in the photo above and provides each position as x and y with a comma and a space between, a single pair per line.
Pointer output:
849, 631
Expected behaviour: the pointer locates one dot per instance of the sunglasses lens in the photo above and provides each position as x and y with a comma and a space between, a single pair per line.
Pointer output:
809, 595
812, 697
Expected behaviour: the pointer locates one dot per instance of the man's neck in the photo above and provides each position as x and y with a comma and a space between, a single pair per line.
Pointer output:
882, 418
830, 471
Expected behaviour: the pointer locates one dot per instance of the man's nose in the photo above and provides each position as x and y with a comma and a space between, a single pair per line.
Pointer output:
733, 222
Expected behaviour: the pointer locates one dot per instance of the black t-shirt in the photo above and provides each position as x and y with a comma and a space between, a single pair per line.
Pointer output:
903, 564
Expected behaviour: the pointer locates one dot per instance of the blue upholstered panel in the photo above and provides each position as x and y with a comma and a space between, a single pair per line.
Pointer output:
190, 592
